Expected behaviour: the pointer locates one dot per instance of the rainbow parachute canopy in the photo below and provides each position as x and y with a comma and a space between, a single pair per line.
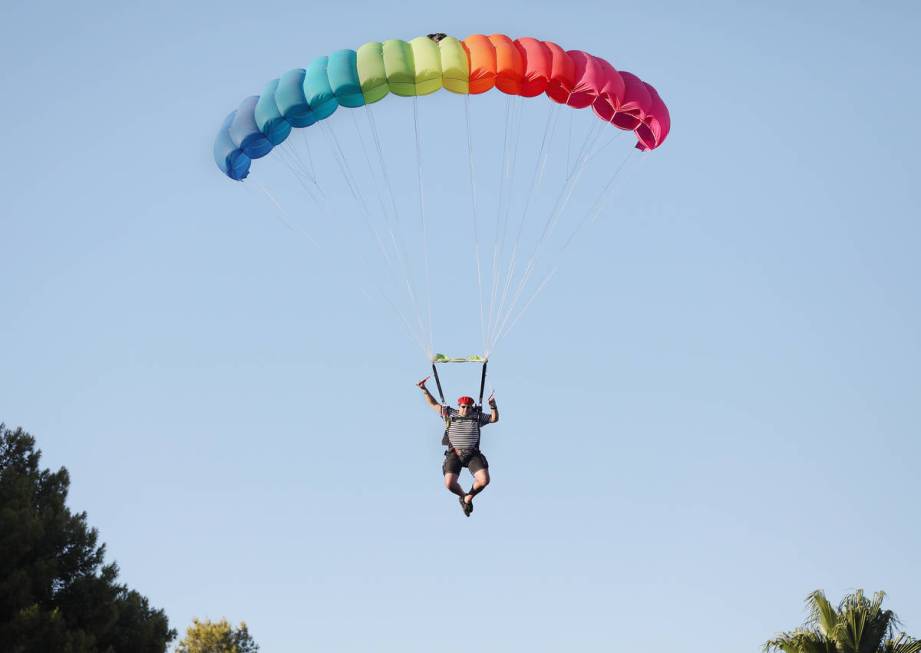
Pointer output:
353, 78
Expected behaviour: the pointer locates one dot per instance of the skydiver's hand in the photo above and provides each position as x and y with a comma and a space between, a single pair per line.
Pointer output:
492, 399
421, 384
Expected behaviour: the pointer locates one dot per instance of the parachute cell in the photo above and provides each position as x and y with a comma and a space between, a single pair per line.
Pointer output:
227, 155
562, 74
637, 103
400, 67
509, 64
291, 101
537, 66
656, 124
372, 75
427, 64
482, 57
318, 91
343, 78
611, 94
269, 118
245, 133
454, 71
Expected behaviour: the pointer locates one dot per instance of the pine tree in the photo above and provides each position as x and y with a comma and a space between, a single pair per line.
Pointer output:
56, 591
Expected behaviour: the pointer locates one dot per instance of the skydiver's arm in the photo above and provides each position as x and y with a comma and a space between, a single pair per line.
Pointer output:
429, 399
493, 410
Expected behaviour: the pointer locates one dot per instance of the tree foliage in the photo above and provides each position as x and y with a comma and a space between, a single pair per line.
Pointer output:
217, 637
858, 625
56, 592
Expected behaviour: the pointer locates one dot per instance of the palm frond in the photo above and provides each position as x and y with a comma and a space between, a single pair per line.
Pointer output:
850, 630
783, 643
802, 640
862, 623
822, 613
901, 644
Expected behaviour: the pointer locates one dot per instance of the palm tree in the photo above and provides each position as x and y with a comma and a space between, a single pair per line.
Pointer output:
858, 625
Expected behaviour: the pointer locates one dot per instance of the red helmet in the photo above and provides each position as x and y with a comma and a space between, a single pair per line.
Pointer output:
465, 401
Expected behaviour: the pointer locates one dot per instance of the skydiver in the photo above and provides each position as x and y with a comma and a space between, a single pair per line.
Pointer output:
462, 438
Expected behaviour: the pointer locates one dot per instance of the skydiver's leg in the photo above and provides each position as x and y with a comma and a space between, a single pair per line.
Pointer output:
480, 481
479, 467
452, 484
452, 469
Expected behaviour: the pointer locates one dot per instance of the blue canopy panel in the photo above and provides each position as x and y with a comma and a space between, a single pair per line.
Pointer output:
227, 155
268, 117
291, 101
299, 98
343, 78
246, 134
318, 91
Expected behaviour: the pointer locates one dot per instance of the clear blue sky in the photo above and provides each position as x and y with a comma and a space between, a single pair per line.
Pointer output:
711, 410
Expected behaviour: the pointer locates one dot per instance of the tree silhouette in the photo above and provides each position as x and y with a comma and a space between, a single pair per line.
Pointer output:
56, 592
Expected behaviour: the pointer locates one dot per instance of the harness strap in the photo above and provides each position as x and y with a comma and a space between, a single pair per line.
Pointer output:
477, 411
441, 395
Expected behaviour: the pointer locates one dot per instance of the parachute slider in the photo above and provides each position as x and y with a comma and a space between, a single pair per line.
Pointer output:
473, 358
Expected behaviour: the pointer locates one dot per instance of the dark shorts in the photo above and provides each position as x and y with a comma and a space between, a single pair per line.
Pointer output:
474, 461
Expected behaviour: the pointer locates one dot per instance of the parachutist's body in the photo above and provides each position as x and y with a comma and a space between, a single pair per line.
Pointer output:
463, 442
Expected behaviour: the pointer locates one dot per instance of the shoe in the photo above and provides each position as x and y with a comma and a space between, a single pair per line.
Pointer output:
468, 507
464, 506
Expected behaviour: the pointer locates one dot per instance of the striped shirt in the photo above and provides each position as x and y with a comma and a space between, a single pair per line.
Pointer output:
464, 432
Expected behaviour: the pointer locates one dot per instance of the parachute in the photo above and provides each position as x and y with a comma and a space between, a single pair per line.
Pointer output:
355, 78
519, 68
